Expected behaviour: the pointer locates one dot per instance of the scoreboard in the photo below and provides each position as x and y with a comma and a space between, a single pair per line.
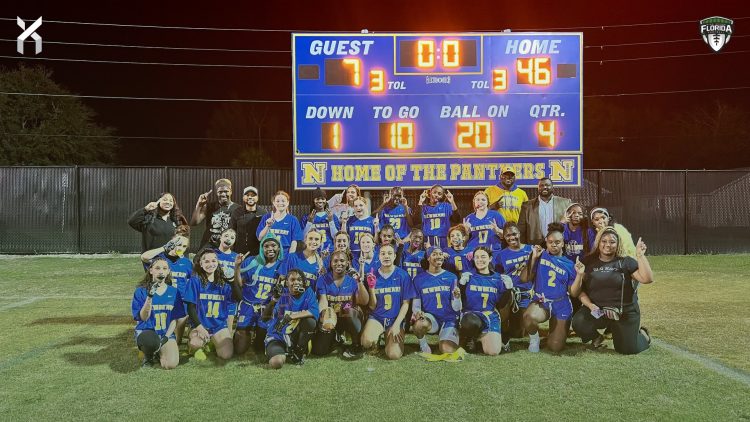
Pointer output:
456, 109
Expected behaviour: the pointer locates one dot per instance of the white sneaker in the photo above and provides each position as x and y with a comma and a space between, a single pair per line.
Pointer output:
425, 348
534, 343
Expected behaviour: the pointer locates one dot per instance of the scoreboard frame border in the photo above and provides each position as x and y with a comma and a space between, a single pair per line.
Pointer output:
394, 35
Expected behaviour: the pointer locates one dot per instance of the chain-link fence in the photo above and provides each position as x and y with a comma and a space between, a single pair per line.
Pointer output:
85, 209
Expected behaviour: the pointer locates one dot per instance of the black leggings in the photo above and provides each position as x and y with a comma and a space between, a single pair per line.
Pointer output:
626, 334
299, 337
322, 342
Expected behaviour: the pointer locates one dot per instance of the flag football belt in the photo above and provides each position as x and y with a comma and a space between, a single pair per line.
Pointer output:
257, 307
543, 299
518, 296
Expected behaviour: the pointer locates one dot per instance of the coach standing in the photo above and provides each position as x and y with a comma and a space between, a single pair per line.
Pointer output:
538, 213
244, 220
215, 210
506, 197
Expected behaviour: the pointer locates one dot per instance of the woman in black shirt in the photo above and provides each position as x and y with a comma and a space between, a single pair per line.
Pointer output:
609, 295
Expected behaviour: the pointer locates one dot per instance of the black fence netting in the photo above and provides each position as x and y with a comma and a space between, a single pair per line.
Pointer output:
85, 209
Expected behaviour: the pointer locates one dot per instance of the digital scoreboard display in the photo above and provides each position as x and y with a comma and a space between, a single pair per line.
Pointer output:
456, 109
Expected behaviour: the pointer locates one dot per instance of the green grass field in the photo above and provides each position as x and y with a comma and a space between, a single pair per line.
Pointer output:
68, 353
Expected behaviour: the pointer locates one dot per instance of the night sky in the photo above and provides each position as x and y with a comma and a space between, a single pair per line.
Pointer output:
638, 131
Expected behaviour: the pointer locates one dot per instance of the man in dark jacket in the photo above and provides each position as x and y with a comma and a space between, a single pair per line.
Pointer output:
244, 220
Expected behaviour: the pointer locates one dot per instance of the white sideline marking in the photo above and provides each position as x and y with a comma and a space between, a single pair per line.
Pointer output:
735, 374
28, 301
35, 298
73, 256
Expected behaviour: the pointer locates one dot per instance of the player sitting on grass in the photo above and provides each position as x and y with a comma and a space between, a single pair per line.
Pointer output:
554, 278
435, 309
208, 297
156, 306
293, 312
339, 297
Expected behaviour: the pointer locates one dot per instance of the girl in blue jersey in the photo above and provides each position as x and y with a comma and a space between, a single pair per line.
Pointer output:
282, 224
459, 256
368, 262
395, 211
357, 224
321, 219
435, 308
226, 260
255, 279
340, 243
554, 277
293, 312
390, 293
413, 253
156, 306
181, 269
484, 225
438, 211
339, 297
208, 297
308, 260
578, 236
483, 290
511, 261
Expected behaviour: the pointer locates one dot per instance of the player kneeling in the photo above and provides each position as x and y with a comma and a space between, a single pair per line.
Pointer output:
484, 288
339, 293
554, 277
208, 296
435, 309
390, 293
156, 307
292, 311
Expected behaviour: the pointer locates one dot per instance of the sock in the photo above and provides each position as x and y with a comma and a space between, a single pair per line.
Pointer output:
534, 337
424, 346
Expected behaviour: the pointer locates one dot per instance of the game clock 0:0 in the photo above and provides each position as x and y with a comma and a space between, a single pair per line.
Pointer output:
450, 108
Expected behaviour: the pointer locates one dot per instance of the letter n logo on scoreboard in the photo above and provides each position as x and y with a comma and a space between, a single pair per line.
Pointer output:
313, 173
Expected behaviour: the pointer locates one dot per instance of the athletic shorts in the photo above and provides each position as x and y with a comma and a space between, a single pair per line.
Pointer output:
249, 316
490, 320
232, 309
446, 328
560, 309
385, 322
138, 332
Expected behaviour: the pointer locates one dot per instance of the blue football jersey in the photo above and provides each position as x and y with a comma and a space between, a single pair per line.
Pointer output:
411, 262
457, 261
396, 217
286, 230
554, 275
435, 291
481, 230
436, 219
211, 301
355, 227
390, 292
165, 308
257, 283
511, 262
483, 292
